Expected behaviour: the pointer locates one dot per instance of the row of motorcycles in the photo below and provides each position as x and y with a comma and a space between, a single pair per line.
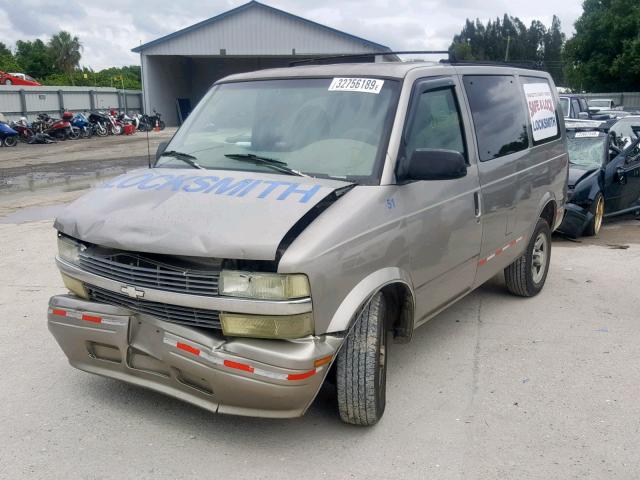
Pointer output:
46, 129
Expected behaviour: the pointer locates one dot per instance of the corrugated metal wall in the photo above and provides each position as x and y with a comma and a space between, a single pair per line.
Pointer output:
17, 101
630, 100
259, 31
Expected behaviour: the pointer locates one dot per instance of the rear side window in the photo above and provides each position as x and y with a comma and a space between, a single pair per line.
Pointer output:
498, 114
541, 105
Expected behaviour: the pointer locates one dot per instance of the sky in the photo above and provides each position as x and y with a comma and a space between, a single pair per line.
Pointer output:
109, 30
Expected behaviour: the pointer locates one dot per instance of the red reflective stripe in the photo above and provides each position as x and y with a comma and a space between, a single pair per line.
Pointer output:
239, 366
91, 318
482, 261
498, 251
301, 376
188, 348
57, 311
513, 243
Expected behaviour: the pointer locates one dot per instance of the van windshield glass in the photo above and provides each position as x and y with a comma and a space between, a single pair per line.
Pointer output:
314, 127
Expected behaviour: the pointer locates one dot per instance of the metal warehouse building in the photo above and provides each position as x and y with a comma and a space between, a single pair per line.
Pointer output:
178, 69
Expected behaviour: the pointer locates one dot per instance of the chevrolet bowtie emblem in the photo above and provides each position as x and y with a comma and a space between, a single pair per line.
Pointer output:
133, 292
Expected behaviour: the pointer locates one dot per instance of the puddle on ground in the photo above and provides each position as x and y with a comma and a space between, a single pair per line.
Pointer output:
33, 214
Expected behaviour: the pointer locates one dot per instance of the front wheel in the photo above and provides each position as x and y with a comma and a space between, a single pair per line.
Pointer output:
597, 210
161, 125
361, 375
8, 82
74, 133
526, 276
10, 141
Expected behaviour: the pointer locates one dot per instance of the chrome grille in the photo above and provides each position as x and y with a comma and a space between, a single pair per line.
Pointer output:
193, 317
134, 269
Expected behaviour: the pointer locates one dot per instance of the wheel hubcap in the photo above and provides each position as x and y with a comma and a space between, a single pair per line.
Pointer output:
597, 221
539, 257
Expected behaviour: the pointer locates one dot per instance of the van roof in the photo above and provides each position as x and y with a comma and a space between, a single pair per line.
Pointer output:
379, 69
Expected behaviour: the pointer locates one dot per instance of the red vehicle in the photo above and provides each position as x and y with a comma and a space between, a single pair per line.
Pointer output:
18, 79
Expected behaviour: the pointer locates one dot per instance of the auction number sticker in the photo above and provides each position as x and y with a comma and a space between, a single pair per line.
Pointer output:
367, 85
591, 134
542, 110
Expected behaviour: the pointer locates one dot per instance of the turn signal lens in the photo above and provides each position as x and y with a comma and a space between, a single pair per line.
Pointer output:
267, 326
75, 286
264, 286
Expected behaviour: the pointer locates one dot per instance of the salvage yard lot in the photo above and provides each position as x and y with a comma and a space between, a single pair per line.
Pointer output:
494, 387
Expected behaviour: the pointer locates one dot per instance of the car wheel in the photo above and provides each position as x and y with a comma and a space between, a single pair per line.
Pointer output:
597, 210
526, 276
361, 375
8, 82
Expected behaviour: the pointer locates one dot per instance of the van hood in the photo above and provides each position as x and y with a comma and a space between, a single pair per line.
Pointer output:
203, 213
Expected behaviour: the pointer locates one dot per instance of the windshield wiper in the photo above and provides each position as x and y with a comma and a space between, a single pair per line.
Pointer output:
268, 162
185, 157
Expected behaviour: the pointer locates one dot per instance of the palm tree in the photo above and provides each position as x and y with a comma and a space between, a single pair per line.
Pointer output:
65, 50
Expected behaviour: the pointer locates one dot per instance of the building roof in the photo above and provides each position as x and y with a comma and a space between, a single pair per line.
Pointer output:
254, 5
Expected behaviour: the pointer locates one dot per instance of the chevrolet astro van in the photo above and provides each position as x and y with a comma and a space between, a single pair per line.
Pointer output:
303, 219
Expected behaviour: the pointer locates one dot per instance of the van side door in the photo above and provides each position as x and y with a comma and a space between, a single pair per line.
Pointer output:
499, 119
443, 229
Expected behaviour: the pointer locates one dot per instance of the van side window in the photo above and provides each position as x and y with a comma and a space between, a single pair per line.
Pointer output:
436, 123
499, 117
542, 109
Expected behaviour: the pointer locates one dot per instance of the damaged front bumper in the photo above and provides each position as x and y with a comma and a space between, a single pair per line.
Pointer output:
241, 376
575, 220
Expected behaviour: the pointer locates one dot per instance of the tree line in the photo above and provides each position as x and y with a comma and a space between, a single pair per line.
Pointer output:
57, 61
602, 56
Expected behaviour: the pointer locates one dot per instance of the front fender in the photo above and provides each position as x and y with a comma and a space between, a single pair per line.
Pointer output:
364, 290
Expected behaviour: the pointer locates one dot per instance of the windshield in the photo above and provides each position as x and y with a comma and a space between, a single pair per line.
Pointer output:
564, 103
587, 152
599, 103
314, 127
627, 128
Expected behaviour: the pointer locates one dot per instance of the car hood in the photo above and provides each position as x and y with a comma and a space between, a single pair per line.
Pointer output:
577, 174
204, 213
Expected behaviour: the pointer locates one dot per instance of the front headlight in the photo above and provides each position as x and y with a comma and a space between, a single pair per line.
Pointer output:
68, 249
264, 286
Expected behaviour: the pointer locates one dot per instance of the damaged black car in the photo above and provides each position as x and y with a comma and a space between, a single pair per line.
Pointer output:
604, 180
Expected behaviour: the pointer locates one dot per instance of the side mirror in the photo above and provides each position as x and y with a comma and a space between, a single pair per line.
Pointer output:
161, 148
621, 176
435, 164
583, 115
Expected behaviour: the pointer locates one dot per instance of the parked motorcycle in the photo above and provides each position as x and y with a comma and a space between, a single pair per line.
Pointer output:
23, 128
81, 122
60, 129
149, 122
99, 122
8, 136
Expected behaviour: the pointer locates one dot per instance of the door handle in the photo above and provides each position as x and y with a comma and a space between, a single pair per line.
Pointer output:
476, 204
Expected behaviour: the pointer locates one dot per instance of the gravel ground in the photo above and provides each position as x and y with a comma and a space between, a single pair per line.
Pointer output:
496, 387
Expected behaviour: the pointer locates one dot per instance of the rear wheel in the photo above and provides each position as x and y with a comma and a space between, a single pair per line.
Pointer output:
597, 210
527, 274
10, 141
361, 375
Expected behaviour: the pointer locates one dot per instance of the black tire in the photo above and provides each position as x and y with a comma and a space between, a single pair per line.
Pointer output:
73, 133
162, 125
594, 225
10, 141
523, 277
8, 82
362, 367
